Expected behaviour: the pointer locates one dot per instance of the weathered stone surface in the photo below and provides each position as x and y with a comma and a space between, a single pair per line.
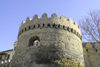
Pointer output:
57, 43
92, 54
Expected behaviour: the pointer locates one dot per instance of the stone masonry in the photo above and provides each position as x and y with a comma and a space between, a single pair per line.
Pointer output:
48, 42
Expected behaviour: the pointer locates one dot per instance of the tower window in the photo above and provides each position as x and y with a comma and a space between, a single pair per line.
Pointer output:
96, 50
48, 25
68, 28
25, 29
22, 31
0, 58
33, 26
87, 50
4, 66
53, 25
29, 27
43, 25
34, 41
63, 27
71, 30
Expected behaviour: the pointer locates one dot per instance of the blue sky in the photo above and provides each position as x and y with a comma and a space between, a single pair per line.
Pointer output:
12, 12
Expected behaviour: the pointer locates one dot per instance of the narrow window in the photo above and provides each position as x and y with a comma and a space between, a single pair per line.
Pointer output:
48, 25
22, 31
53, 25
63, 27
68, 28
71, 30
33, 26
96, 50
25, 29
87, 50
43, 25
29, 27
0, 58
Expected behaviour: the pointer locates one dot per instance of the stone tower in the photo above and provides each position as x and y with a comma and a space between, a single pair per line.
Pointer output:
48, 42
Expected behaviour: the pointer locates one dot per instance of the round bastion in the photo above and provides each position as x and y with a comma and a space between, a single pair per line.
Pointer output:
48, 42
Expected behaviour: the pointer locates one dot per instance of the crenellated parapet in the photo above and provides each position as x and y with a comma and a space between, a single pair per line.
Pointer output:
50, 22
91, 47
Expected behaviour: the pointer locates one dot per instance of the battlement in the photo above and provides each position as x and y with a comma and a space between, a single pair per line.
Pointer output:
50, 22
91, 47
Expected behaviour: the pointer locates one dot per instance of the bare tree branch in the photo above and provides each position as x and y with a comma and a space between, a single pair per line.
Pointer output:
90, 26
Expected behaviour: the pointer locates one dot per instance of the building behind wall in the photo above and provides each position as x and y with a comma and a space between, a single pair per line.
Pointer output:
50, 42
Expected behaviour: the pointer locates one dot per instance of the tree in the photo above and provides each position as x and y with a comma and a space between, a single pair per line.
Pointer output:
90, 27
